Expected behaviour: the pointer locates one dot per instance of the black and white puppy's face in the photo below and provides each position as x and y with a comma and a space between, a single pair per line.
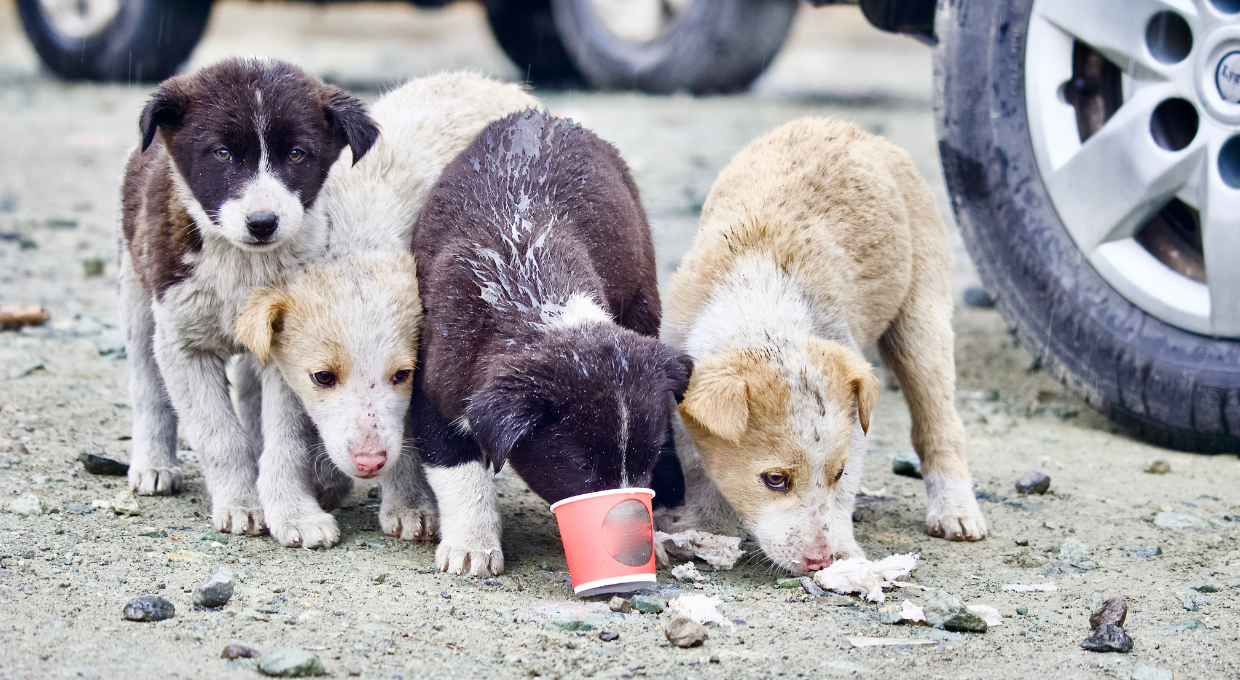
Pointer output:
253, 140
586, 410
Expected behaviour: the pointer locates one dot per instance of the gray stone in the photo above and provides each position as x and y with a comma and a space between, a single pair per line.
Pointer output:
1186, 599
907, 464
27, 506
977, 298
619, 604
77, 509
1150, 673
216, 590
608, 636
217, 536
810, 587
149, 608
1076, 553
947, 612
1144, 553
1159, 467
788, 583
683, 631
125, 503
1206, 588
1108, 638
1175, 520
1112, 610
648, 604
100, 465
1188, 624
1033, 482
238, 652
290, 663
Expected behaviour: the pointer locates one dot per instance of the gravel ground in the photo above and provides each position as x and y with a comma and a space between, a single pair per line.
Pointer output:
376, 608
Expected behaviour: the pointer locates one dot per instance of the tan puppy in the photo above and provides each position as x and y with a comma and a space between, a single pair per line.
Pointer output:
816, 239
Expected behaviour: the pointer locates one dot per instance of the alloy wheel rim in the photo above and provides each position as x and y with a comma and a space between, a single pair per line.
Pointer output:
1134, 116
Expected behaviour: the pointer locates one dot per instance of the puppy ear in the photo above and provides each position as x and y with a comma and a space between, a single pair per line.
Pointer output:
349, 122
166, 109
679, 371
849, 374
503, 413
261, 319
718, 399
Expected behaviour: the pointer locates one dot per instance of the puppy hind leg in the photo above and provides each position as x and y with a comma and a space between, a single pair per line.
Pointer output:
408, 509
153, 465
331, 485
918, 347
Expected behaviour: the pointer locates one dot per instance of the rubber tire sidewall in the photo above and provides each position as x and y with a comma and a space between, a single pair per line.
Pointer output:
526, 31
1172, 387
715, 46
147, 41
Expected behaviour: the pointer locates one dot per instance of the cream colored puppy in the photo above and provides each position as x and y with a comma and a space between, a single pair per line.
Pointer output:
338, 339
816, 239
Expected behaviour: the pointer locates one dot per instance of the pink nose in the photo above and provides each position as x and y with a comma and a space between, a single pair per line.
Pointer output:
368, 463
819, 561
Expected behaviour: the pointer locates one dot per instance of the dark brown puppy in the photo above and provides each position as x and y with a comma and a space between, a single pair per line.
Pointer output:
217, 200
539, 342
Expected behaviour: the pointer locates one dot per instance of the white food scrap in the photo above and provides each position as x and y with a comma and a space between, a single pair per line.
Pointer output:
887, 642
1037, 587
703, 609
989, 614
720, 552
864, 577
688, 572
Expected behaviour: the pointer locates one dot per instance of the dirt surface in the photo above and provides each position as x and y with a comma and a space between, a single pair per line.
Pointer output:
66, 575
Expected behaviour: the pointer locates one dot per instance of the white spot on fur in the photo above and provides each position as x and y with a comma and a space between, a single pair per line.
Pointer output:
624, 439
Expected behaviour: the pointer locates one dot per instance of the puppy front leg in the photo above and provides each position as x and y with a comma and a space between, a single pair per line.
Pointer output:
469, 522
198, 386
408, 509
285, 472
153, 466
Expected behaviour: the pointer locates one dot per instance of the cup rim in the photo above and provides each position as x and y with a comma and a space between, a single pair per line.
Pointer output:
608, 492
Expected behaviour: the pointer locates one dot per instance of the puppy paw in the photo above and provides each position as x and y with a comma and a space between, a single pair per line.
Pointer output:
480, 561
848, 550
238, 518
153, 481
306, 530
409, 523
953, 513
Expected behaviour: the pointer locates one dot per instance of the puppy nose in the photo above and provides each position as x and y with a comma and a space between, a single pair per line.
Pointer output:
368, 463
261, 224
818, 562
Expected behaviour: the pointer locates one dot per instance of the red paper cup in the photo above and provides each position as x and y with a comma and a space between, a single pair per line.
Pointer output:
608, 540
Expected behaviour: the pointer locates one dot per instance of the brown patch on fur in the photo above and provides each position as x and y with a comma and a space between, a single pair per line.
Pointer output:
158, 230
848, 375
764, 444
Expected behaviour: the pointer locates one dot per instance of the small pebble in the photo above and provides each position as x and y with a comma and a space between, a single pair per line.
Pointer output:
947, 612
907, 464
683, 631
125, 503
977, 298
619, 604
378, 578
1022, 541
648, 604
290, 663
810, 587
608, 636
1188, 624
788, 583
238, 652
572, 626
27, 506
1147, 552
216, 590
1033, 482
1187, 600
100, 465
1159, 467
1112, 610
217, 536
1108, 638
1022, 610
1206, 588
92, 267
149, 608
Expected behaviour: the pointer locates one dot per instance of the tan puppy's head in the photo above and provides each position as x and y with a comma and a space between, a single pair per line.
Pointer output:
345, 337
781, 432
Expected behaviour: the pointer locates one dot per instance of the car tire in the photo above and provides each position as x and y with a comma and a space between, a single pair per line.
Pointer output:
526, 31
709, 47
1172, 387
145, 40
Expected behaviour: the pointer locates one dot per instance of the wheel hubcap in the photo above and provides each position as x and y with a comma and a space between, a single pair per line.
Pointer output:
638, 20
1134, 115
79, 19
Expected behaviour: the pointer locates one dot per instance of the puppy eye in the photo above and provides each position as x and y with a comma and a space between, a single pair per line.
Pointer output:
223, 155
839, 474
400, 376
296, 155
775, 481
324, 378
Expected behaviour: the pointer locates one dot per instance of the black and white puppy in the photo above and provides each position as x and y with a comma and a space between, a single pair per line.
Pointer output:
540, 335
215, 203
